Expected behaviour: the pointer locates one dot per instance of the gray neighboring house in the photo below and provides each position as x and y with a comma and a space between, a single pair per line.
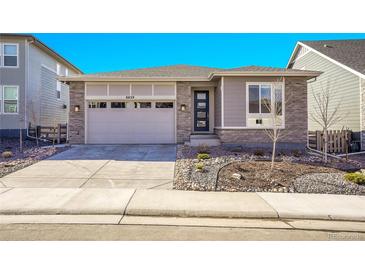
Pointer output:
29, 89
343, 65
187, 104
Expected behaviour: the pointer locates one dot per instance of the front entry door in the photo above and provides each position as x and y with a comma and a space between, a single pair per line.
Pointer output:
201, 111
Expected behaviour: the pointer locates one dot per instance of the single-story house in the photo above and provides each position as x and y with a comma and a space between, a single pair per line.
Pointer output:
343, 65
187, 104
29, 89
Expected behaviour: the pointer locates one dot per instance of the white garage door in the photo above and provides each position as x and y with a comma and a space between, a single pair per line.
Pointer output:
144, 122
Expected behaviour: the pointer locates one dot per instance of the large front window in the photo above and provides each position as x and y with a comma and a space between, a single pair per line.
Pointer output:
265, 104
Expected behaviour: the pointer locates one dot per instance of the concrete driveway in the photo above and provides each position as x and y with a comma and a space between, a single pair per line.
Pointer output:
101, 166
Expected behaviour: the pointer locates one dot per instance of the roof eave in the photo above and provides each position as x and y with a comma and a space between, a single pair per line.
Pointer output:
310, 74
44, 47
82, 78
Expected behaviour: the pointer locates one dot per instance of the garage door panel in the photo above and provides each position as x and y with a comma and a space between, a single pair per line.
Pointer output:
131, 126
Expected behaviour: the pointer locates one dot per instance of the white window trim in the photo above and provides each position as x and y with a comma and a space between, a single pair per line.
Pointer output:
3, 100
58, 69
264, 115
2, 55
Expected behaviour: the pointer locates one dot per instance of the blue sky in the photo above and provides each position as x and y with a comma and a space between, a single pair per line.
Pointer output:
110, 52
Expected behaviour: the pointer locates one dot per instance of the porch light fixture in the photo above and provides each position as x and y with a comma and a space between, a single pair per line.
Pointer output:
77, 108
182, 107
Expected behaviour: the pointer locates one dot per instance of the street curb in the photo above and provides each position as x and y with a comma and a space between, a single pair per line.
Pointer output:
174, 203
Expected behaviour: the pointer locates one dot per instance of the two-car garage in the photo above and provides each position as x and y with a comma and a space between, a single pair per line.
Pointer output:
127, 113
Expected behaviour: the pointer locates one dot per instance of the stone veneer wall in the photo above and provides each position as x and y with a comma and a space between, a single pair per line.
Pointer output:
183, 118
76, 126
296, 124
362, 114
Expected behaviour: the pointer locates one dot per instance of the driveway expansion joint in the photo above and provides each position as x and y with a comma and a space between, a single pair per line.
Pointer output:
92, 175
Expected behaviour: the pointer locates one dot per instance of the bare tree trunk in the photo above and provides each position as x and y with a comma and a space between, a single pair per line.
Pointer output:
325, 149
273, 155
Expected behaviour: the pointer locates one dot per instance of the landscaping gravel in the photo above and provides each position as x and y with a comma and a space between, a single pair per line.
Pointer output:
30, 155
330, 183
188, 177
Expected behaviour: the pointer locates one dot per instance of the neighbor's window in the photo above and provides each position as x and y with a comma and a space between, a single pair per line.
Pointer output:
164, 104
94, 104
142, 104
10, 52
117, 105
10, 98
58, 94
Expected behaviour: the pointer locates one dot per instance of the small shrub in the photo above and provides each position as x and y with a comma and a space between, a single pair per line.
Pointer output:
203, 156
355, 177
203, 149
199, 166
259, 152
296, 153
7, 154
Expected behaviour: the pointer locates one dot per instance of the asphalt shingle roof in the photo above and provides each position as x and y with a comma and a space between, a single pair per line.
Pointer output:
350, 53
179, 71
260, 69
162, 71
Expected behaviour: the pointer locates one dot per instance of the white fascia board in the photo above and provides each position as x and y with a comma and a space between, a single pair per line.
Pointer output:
292, 54
333, 61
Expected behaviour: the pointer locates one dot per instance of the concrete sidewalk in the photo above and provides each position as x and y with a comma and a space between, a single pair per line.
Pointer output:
173, 203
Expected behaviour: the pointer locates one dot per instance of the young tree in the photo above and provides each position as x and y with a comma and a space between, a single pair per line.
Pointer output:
274, 106
325, 113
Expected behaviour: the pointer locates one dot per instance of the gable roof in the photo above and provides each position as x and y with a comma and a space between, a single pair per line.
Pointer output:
42, 46
349, 53
187, 73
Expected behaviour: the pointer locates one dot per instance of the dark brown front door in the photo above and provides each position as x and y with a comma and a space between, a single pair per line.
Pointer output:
201, 110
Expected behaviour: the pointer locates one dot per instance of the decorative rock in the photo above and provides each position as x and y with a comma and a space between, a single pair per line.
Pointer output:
236, 176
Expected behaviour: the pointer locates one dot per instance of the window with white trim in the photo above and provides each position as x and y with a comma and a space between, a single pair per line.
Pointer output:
10, 99
264, 101
9, 54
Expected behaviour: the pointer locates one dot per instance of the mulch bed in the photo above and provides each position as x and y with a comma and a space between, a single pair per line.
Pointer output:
30, 155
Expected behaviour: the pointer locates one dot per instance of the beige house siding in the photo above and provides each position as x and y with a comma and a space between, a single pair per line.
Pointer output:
45, 108
218, 105
344, 87
235, 98
295, 132
362, 86
234, 101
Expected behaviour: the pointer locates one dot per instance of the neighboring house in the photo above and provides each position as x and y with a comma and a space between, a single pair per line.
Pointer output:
29, 89
343, 65
187, 104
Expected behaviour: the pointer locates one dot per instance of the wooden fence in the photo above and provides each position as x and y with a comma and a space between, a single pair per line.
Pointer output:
57, 134
338, 140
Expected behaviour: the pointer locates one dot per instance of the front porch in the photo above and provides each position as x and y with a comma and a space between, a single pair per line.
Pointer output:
196, 113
